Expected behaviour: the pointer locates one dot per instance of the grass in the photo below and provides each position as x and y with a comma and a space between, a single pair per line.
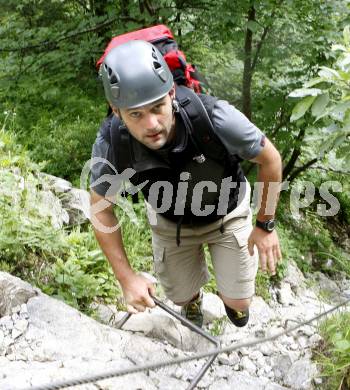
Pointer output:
333, 356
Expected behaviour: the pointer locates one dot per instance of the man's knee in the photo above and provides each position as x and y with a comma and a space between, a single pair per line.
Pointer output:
237, 304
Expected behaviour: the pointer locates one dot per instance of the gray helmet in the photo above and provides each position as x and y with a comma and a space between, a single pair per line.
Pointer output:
134, 74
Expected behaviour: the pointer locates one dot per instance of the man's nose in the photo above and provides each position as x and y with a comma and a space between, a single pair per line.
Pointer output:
150, 121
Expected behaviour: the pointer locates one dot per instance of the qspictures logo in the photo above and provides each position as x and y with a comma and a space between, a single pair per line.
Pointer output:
101, 176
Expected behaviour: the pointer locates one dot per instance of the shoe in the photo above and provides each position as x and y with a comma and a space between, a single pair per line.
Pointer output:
238, 318
193, 310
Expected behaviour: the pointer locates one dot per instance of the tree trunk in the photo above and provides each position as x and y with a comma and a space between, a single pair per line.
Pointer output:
248, 72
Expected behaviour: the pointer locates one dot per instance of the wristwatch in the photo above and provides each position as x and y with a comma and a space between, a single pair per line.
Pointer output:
268, 225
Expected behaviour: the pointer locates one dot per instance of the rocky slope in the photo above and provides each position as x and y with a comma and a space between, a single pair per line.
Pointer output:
42, 340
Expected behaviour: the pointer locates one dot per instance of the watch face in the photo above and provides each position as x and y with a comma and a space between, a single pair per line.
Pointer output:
270, 225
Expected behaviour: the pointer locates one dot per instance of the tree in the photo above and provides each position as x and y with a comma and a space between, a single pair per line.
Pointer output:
325, 105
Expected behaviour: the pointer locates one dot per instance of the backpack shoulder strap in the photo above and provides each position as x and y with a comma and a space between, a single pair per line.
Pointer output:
116, 134
198, 109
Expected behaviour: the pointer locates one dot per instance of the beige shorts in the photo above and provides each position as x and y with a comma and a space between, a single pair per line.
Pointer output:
182, 270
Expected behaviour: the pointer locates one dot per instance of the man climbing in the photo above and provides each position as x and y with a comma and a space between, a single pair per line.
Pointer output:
185, 159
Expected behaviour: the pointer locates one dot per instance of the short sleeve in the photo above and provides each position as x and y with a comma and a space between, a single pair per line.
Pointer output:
236, 132
101, 166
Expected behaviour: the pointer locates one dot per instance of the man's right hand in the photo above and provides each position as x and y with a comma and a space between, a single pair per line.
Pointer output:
137, 291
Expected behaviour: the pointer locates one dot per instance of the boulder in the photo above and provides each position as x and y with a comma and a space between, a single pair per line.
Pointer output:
13, 292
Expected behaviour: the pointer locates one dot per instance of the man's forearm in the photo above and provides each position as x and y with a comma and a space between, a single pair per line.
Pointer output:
270, 176
113, 247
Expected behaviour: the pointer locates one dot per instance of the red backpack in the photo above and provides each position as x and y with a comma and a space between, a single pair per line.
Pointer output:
160, 36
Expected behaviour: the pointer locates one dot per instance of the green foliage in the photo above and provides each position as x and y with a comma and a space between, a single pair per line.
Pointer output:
65, 264
333, 355
308, 241
83, 276
217, 327
327, 99
137, 238
27, 225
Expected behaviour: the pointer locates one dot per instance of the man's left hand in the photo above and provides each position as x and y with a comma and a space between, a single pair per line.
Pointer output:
268, 248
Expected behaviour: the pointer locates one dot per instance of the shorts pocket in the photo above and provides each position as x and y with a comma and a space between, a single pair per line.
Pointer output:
242, 234
158, 257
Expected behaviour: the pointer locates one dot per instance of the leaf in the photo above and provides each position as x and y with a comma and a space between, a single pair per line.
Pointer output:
300, 108
342, 345
328, 73
345, 76
339, 47
302, 92
346, 35
252, 26
338, 111
343, 63
320, 104
314, 81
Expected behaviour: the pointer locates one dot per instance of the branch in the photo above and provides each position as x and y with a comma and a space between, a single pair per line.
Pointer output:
150, 8
302, 169
263, 37
259, 46
283, 121
295, 155
53, 44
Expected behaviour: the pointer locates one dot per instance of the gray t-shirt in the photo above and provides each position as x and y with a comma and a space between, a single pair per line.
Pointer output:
237, 133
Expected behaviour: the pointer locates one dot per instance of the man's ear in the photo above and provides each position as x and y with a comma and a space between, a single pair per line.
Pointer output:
172, 92
116, 112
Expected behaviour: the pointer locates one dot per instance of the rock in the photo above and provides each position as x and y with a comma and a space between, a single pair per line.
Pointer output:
149, 352
6, 323
21, 325
71, 205
327, 286
59, 343
274, 386
285, 295
294, 277
300, 375
255, 355
223, 372
239, 381
303, 342
260, 312
14, 292
55, 183
106, 314
51, 206
281, 365
15, 309
248, 365
222, 359
267, 348
16, 333
315, 340
77, 204
158, 324
168, 383
213, 307
307, 330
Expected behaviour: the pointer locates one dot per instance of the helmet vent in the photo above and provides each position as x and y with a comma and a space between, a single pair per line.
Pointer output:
154, 54
156, 65
114, 79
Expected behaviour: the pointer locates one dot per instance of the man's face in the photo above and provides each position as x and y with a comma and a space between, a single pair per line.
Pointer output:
152, 124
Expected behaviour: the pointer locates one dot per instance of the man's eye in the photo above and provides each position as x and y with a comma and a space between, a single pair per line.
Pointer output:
135, 114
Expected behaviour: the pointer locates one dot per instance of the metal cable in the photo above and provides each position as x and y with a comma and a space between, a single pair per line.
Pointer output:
152, 366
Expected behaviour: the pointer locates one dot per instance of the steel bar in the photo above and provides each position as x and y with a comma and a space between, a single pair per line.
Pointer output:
190, 325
